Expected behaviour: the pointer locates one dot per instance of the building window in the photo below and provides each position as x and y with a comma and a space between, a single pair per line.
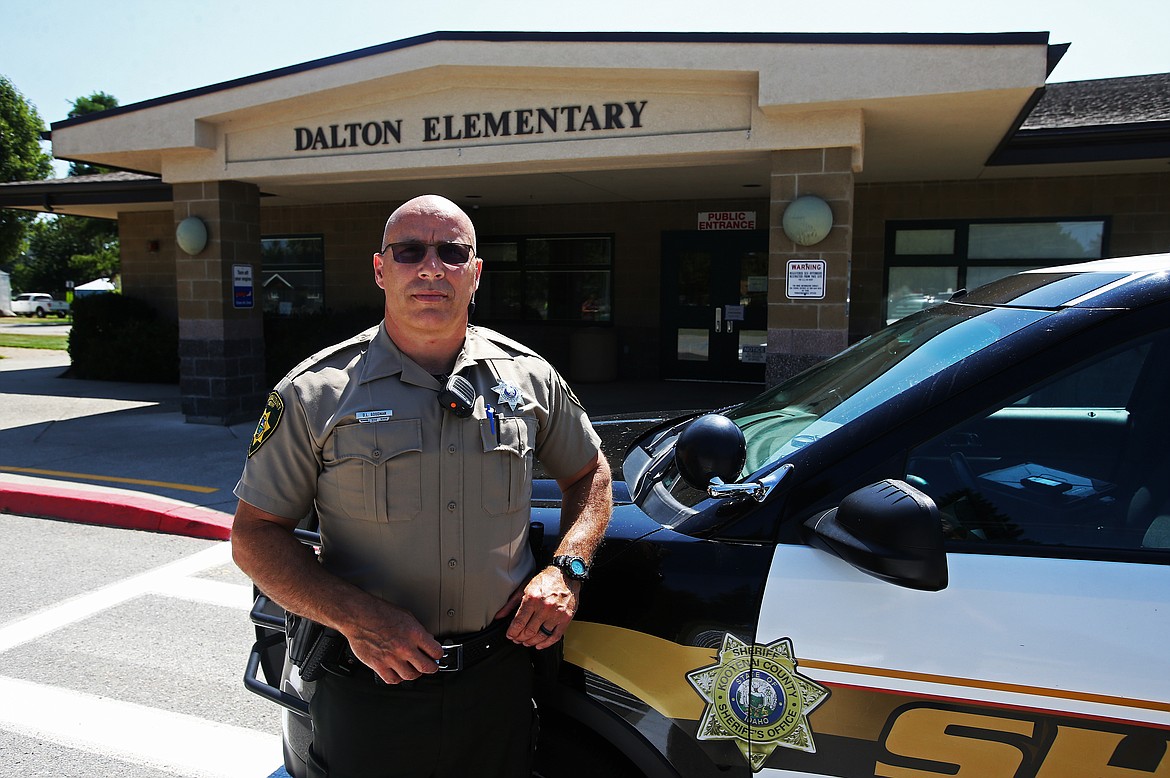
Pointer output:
546, 278
930, 261
292, 274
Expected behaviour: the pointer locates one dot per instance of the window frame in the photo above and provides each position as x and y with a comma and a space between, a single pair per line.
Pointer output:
320, 270
523, 267
960, 259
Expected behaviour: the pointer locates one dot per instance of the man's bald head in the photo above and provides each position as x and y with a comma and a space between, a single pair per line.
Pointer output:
430, 206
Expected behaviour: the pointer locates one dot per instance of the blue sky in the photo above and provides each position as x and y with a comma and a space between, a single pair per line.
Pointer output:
57, 50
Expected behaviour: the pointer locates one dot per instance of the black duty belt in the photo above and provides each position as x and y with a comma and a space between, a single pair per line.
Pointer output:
466, 651
459, 653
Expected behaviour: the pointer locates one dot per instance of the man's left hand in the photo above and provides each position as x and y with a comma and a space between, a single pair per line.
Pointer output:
543, 609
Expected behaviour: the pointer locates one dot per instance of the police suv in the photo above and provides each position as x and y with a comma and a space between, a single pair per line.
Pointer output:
944, 551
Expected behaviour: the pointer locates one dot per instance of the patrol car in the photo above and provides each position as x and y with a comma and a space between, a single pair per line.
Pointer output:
944, 551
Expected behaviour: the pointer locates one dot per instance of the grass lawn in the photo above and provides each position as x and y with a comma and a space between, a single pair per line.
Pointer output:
55, 342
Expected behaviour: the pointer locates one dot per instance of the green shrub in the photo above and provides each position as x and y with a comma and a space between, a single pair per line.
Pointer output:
118, 338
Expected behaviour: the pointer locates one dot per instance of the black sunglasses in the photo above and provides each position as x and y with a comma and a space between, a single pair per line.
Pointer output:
411, 252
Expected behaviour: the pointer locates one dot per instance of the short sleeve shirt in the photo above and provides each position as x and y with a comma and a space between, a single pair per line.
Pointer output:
417, 506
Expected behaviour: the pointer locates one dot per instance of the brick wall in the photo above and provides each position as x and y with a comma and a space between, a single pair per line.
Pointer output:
221, 347
147, 240
804, 332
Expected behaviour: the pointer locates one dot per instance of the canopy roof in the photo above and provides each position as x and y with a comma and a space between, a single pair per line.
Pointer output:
510, 118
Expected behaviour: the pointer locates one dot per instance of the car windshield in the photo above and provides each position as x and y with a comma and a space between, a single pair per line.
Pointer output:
821, 400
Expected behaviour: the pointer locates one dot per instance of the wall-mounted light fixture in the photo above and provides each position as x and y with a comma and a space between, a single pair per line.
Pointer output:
191, 235
807, 220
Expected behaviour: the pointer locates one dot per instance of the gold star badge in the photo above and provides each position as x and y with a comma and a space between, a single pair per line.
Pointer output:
756, 698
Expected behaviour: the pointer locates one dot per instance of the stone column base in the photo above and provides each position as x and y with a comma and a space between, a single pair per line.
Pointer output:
222, 381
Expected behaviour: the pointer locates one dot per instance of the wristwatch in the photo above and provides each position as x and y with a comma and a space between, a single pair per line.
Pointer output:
573, 566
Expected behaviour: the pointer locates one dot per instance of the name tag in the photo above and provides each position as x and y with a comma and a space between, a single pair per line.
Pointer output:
369, 417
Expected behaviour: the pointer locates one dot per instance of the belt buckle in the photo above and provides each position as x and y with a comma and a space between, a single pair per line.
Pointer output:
452, 660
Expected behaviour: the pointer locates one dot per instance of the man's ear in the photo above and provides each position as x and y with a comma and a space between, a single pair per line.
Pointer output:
378, 269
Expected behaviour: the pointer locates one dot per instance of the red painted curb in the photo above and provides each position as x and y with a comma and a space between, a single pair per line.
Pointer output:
121, 510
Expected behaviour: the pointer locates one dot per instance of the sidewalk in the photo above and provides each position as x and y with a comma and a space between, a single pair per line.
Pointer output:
122, 454
110, 453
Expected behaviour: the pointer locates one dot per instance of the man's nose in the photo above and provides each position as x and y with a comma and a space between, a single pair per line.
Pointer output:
432, 266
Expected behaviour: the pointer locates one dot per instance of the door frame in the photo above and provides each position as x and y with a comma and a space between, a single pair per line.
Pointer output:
725, 246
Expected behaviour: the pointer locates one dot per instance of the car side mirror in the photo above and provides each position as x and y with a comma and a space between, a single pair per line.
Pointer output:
889, 530
712, 450
711, 446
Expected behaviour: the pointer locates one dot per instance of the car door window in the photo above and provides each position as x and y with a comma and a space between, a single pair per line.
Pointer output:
1078, 460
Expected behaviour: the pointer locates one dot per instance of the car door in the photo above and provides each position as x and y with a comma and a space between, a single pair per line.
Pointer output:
1045, 655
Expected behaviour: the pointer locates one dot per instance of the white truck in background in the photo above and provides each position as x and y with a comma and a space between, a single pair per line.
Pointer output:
39, 304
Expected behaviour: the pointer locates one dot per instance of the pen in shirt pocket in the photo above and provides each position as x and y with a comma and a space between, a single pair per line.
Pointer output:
491, 414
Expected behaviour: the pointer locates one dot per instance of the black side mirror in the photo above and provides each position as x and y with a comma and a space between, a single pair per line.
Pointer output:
711, 446
889, 530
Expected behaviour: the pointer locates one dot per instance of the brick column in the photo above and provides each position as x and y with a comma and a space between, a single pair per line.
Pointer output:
803, 332
221, 347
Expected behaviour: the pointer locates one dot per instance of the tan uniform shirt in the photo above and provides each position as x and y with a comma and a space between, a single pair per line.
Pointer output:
421, 508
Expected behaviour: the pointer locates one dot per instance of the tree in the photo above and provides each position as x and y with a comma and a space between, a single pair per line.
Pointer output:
21, 159
83, 106
66, 248
70, 248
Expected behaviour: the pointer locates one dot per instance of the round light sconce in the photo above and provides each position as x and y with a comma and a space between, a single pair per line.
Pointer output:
191, 235
807, 220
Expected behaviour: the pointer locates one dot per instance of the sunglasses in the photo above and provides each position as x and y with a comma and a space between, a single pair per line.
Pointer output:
412, 252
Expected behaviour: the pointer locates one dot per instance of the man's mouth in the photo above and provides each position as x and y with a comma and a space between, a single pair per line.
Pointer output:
429, 295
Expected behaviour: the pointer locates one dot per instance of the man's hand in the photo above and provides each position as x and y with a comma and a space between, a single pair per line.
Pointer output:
385, 637
392, 643
543, 609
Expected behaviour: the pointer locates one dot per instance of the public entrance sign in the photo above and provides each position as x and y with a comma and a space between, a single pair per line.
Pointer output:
727, 220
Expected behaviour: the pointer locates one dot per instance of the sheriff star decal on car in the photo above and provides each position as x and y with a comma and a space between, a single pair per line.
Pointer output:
755, 697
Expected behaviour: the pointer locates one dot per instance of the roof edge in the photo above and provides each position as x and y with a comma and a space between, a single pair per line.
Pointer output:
836, 38
1098, 143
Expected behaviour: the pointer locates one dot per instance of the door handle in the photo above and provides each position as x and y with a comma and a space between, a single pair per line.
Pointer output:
718, 319
730, 326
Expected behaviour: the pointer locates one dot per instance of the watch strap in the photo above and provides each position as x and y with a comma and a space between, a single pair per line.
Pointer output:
573, 566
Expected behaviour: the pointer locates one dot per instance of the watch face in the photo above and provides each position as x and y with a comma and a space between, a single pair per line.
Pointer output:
577, 567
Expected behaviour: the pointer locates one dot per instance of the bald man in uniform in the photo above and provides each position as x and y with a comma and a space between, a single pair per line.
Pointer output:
423, 517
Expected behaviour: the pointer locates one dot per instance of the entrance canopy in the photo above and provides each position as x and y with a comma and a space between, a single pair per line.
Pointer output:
517, 118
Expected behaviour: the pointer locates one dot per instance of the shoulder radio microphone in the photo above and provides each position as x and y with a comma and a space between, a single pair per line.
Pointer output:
458, 396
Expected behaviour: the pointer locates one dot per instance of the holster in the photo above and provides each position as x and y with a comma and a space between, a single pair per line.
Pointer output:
311, 646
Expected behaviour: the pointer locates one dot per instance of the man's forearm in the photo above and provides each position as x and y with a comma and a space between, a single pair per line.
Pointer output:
287, 571
586, 505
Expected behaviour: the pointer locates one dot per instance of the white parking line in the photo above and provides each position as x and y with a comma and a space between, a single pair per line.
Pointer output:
202, 590
74, 609
174, 742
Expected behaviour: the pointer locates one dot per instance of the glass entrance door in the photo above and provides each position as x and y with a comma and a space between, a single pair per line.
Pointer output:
715, 305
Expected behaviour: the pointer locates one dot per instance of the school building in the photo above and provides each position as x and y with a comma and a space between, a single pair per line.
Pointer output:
731, 207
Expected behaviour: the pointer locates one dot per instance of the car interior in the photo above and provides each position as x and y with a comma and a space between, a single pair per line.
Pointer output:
1080, 460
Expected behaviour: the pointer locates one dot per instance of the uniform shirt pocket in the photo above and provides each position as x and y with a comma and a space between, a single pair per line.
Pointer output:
375, 472
507, 463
